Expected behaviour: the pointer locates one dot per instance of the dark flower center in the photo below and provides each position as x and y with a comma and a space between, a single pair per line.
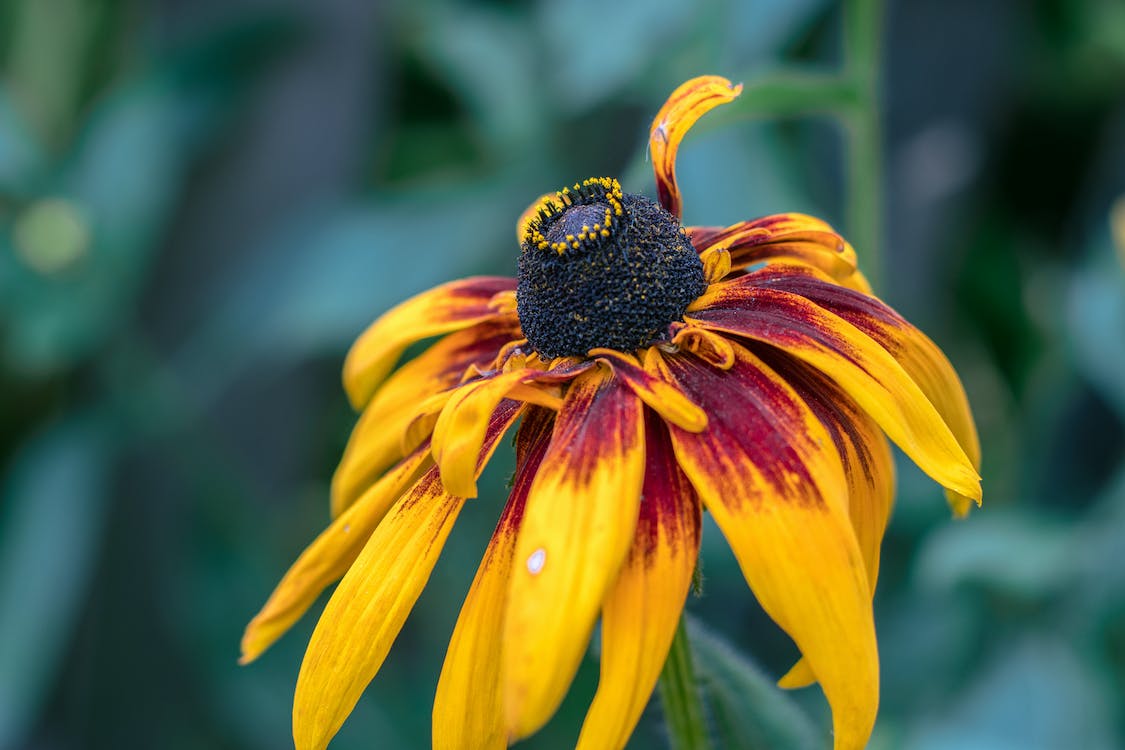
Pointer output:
600, 268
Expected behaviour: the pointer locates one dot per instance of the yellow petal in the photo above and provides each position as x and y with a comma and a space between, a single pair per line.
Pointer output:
377, 440
862, 368
468, 708
461, 427
643, 608
575, 533
684, 107
368, 608
920, 357
767, 470
657, 394
443, 309
791, 238
868, 467
328, 557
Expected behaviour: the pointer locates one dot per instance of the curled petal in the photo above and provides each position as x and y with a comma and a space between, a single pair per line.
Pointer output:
574, 535
468, 708
709, 346
918, 355
769, 473
378, 437
368, 608
687, 104
862, 368
443, 309
643, 608
328, 557
789, 238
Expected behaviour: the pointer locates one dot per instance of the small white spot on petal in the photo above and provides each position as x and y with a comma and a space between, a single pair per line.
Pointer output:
347, 528
536, 561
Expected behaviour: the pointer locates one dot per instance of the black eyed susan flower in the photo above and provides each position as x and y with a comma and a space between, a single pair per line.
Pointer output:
655, 371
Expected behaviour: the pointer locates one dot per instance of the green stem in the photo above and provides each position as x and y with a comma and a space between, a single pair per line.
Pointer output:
863, 31
683, 709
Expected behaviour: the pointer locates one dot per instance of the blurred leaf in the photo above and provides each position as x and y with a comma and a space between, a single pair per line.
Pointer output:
326, 277
54, 503
750, 712
488, 58
1096, 319
597, 47
48, 61
20, 155
119, 188
1036, 695
1012, 553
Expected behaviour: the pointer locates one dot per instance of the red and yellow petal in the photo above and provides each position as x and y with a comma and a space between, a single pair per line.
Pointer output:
377, 440
868, 466
443, 309
468, 708
642, 610
767, 470
858, 364
684, 107
574, 535
790, 238
328, 557
657, 394
371, 603
918, 355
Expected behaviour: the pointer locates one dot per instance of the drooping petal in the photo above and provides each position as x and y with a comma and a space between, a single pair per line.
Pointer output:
862, 368
376, 442
576, 531
657, 394
329, 556
687, 104
443, 309
643, 608
767, 470
468, 707
868, 467
918, 355
370, 605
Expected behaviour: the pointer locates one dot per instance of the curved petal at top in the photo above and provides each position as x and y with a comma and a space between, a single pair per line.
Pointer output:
443, 309
687, 104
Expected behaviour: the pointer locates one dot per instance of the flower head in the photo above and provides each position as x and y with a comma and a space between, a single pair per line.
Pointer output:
655, 371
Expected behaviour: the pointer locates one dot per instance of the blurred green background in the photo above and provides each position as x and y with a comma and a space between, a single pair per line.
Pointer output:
202, 202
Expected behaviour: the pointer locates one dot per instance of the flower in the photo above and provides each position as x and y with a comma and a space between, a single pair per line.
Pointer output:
655, 371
